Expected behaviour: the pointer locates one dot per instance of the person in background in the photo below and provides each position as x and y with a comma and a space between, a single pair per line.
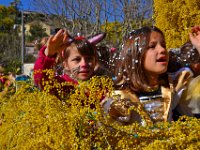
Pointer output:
2, 77
189, 58
2, 81
104, 56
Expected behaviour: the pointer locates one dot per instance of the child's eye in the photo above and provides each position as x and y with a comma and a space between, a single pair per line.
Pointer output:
151, 46
76, 59
163, 45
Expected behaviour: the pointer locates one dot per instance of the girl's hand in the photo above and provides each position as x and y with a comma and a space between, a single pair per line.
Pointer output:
56, 43
195, 37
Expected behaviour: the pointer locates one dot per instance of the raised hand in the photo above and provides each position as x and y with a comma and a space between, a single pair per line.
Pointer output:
56, 43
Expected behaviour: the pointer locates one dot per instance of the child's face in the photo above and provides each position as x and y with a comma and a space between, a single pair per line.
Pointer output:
80, 66
156, 57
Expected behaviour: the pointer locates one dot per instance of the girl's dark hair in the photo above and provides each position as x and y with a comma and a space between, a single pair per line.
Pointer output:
184, 56
84, 47
189, 54
174, 63
131, 69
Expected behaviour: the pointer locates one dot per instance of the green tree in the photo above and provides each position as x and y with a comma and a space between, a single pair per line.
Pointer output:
7, 18
36, 32
113, 30
175, 17
9, 38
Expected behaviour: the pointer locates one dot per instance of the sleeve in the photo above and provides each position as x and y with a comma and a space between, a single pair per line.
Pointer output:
42, 63
189, 103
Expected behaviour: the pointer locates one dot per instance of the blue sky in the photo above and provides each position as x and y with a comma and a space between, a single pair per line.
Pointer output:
26, 4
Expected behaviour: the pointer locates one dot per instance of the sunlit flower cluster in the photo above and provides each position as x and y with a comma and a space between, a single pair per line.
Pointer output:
34, 119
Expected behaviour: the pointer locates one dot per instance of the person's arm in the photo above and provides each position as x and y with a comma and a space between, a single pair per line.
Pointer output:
56, 43
195, 37
47, 56
42, 63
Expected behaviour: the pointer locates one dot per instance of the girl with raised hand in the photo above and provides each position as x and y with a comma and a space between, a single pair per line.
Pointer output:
76, 54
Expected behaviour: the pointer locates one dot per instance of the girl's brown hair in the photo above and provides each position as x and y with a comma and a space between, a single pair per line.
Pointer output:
131, 69
84, 48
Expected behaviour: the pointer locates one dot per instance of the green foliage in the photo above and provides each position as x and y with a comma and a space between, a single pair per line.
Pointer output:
9, 39
7, 18
37, 32
10, 51
12, 65
113, 30
175, 17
